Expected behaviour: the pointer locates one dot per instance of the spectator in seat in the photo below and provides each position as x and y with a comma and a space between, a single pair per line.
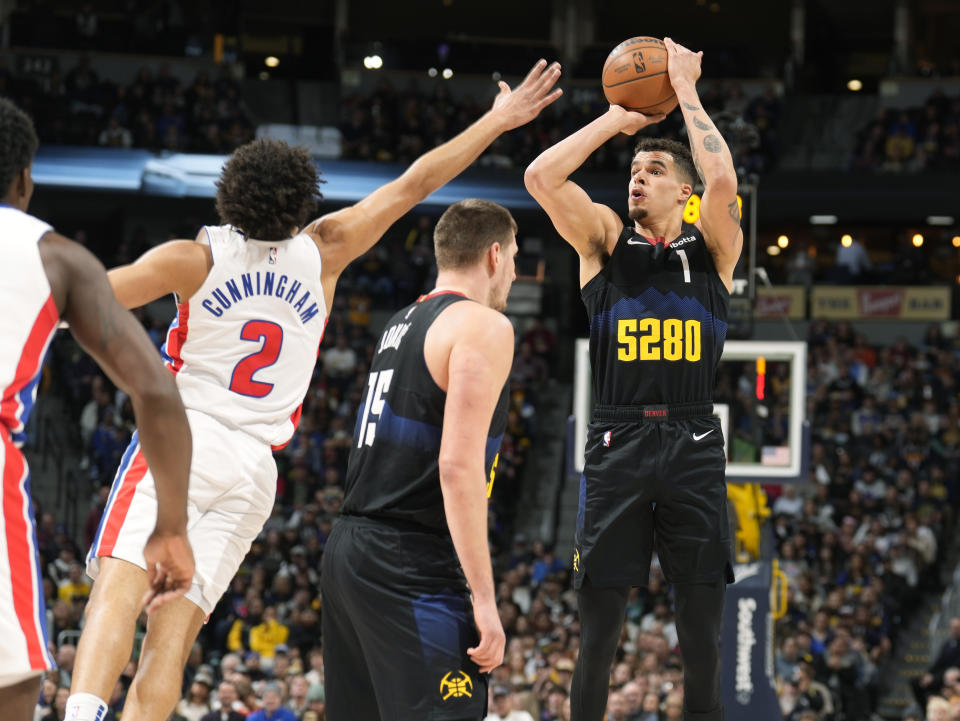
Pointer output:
272, 710
503, 706
949, 656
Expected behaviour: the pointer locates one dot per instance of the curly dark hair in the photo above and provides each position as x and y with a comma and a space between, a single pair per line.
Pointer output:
682, 159
18, 143
268, 188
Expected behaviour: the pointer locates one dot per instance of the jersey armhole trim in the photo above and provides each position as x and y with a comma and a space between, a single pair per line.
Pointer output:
213, 258
456, 298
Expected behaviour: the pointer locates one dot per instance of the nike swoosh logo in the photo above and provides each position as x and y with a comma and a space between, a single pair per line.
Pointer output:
637, 242
701, 436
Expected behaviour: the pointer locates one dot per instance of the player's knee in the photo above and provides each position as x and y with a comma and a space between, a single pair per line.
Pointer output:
151, 691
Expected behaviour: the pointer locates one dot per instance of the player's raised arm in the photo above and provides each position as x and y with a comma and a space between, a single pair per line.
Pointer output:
479, 363
177, 266
719, 209
119, 344
586, 225
347, 234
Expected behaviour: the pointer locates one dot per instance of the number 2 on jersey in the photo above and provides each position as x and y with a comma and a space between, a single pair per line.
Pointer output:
242, 381
377, 385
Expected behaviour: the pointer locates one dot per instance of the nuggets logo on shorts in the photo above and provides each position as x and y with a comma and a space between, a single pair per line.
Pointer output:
456, 687
576, 558
607, 437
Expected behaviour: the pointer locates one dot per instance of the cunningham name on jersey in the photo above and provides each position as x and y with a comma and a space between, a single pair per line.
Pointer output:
253, 284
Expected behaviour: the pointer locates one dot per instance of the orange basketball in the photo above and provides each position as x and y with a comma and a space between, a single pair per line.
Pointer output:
635, 76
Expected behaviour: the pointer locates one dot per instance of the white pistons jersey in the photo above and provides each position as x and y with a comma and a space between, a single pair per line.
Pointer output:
244, 346
28, 320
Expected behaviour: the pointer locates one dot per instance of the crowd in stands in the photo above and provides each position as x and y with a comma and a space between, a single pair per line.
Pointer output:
912, 139
864, 540
398, 125
155, 111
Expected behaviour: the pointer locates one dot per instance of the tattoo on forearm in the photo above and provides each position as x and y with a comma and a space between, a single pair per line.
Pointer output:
688, 106
712, 144
734, 210
701, 125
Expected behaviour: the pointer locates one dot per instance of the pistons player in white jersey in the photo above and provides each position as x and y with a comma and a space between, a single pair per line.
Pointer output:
46, 278
252, 300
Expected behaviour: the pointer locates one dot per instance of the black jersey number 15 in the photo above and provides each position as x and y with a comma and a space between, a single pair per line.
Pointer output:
377, 385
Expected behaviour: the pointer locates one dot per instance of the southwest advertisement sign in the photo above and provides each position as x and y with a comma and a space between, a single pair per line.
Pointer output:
881, 302
746, 674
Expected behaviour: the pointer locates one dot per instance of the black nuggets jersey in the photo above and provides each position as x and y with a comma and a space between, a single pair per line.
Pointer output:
393, 471
658, 320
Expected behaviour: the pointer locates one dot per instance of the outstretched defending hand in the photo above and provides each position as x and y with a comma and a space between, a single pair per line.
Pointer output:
683, 65
488, 654
169, 568
521, 105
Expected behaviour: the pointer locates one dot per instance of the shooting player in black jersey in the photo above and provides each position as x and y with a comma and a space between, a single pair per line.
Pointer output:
400, 634
657, 294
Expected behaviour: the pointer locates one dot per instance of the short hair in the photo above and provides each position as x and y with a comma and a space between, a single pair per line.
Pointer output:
467, 229
267, 188
682, 158
18, 143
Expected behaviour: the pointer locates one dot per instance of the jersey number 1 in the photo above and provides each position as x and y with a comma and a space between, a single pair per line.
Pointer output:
378, 384
242, 381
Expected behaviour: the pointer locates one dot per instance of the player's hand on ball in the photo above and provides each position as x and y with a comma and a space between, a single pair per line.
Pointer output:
169, 568
631, 122
488, 654
683, 65
522, 104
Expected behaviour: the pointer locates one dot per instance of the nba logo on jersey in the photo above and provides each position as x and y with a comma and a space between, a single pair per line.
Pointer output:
272, 259
607, 437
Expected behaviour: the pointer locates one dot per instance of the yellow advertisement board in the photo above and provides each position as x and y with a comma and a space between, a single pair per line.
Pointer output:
881, 302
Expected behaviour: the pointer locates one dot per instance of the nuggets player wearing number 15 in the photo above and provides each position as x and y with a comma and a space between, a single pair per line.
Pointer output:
657, 293
253, 296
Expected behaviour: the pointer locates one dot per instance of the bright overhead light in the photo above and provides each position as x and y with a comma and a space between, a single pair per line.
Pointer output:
271, 61
773, 250
432, 72
956, 241
823, 220
917, 240
783, 241
846, 240
939, 220
447, 73
373, 62
854, 85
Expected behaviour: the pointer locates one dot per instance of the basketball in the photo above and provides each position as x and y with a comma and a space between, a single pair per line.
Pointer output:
635, 76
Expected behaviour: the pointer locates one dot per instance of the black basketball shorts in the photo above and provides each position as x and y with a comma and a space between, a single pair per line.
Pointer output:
397, 622
653, 482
